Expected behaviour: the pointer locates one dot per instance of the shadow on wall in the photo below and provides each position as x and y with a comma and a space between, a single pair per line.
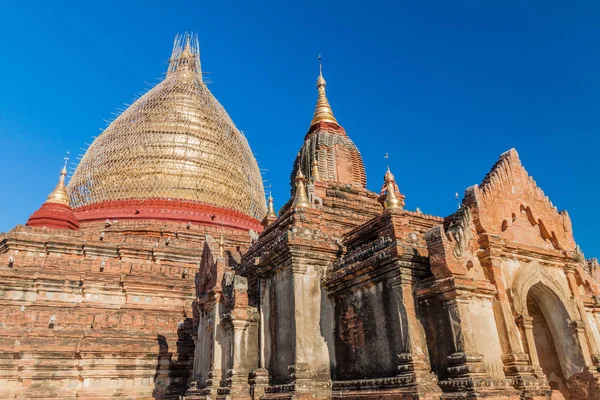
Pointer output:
171, 376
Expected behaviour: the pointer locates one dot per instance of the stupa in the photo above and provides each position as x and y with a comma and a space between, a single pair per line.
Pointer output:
159, 272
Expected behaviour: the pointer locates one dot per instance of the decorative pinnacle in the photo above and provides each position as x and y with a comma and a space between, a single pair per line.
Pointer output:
300, 197
388, 177
391, 201
323, 110
60, 195
271, 210
186, 56
187, 50
315, 171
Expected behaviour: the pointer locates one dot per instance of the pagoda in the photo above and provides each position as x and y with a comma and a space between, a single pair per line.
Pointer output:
160, 272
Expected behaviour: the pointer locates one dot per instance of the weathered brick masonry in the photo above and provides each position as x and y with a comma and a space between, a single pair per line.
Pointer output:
167, 286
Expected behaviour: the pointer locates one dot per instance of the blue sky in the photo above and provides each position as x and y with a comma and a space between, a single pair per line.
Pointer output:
443, 87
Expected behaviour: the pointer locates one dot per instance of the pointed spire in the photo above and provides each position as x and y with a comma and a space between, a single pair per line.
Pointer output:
391, 200
315, 171
186, 56
56, 212
271, 215
300, 197
271, 210
60, 195
388, 177
187, 50
323, 110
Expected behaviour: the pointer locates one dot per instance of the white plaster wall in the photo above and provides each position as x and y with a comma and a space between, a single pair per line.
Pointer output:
594, 324
314, 323
510, 268
485, 335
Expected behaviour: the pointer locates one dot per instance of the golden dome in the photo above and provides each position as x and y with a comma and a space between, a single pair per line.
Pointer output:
174, 143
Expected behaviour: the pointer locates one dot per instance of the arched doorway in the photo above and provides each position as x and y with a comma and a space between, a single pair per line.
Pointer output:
556, 344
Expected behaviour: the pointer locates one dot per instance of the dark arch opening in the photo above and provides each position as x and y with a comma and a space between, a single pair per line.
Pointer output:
556, 343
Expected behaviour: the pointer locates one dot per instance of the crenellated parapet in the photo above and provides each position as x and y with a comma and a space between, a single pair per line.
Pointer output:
508, 203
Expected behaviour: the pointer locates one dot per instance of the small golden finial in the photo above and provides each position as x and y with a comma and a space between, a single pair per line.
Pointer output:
315, 171
391, 201
323, 110
60, 195
388, 177
270, 209
300, 197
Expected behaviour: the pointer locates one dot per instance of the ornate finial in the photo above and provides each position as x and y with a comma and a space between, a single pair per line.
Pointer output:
300, 197
187, 49
323, 110
315, 171
321, 69
60, 195
391, 201
186, 56
270, 209
388, 177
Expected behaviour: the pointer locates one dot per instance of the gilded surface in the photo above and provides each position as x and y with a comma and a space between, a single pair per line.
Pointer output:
59, 195
323, 110
175, 142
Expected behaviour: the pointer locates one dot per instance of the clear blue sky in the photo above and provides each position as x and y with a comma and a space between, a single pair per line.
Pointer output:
443, 87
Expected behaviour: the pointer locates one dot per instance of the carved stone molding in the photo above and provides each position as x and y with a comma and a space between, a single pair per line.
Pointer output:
469, 384
395, 381
532, 274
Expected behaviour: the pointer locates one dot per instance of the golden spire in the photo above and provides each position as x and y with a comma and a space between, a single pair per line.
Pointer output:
271, 210
323, 110
300, 197
315, 171
391, 201
388, 177
60, 195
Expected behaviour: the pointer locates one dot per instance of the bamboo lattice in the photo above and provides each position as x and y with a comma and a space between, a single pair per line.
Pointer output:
176, 142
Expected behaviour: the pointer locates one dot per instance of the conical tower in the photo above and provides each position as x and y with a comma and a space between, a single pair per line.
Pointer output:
174, 153
327, 148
